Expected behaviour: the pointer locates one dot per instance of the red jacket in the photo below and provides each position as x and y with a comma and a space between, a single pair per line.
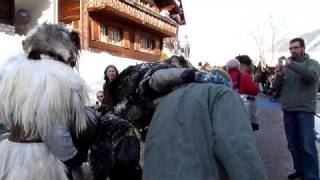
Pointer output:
247, 86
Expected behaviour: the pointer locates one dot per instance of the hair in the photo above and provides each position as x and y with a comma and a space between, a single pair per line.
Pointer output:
244, 59
245, 63
300, 40
105, 73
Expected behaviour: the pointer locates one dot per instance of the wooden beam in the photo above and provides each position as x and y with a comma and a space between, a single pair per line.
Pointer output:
84, 24
134, 15
69, 10
123, 52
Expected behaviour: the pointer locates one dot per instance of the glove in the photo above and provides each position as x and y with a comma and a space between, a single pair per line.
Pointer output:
202, 76
213, 77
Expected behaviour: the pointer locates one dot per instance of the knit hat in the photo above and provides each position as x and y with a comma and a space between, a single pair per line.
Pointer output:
233, 64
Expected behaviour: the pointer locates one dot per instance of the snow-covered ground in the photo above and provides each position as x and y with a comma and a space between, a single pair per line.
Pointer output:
91, 65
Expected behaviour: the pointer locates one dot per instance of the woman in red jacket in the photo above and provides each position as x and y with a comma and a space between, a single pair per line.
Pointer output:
243, 83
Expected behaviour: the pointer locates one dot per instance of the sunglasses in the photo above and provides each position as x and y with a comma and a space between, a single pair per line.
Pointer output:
295, 47
99, 96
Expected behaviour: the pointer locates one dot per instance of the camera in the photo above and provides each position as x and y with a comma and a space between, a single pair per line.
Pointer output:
282, 61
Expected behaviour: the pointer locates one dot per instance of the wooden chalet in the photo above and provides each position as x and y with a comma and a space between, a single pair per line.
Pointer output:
127, 28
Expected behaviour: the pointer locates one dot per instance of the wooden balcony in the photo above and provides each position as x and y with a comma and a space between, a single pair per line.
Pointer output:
136, 12
123, 52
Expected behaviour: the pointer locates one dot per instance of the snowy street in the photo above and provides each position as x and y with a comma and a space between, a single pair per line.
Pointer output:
271, 140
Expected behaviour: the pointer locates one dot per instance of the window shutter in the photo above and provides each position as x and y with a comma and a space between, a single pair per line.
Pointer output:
137, 40
94, 30
126, 39
157, 47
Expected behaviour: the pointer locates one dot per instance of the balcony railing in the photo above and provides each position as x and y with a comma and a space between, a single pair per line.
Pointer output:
135, 10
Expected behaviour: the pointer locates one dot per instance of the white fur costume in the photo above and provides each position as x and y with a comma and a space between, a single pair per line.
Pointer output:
37, 94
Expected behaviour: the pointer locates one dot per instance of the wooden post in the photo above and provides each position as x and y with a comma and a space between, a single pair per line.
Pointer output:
84, 24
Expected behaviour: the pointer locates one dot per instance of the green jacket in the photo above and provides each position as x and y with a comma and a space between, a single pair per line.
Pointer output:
193, 128
299, 85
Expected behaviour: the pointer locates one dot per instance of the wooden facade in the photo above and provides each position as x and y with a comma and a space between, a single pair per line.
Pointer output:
7, 12
69, 13
126, 28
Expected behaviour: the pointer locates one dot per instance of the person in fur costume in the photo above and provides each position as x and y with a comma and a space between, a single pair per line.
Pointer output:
43, 104
132, 97
203, 109
134, 91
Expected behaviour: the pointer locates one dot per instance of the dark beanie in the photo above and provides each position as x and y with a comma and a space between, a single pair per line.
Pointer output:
244, 59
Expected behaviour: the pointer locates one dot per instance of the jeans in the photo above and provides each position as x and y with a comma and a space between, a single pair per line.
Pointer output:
300, 133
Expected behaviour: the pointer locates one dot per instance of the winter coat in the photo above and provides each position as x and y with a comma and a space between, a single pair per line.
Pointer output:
107, 99
247, 86
193, 128
299, 84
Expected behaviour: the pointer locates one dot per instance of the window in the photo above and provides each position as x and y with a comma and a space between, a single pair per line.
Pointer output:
144, 43
114, 36
103, 37
147, 44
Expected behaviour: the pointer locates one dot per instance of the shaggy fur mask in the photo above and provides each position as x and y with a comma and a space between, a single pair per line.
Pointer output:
53, 41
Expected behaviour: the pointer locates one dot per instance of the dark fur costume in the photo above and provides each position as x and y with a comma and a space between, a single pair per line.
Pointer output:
130, 111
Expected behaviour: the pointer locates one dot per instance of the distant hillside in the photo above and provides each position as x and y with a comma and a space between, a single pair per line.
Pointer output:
312, 40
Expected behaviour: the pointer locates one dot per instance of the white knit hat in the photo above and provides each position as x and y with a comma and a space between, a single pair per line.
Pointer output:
233, 64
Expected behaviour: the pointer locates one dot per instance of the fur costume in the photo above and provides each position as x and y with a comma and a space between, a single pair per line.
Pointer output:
39, 91
131, 110
132, 91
